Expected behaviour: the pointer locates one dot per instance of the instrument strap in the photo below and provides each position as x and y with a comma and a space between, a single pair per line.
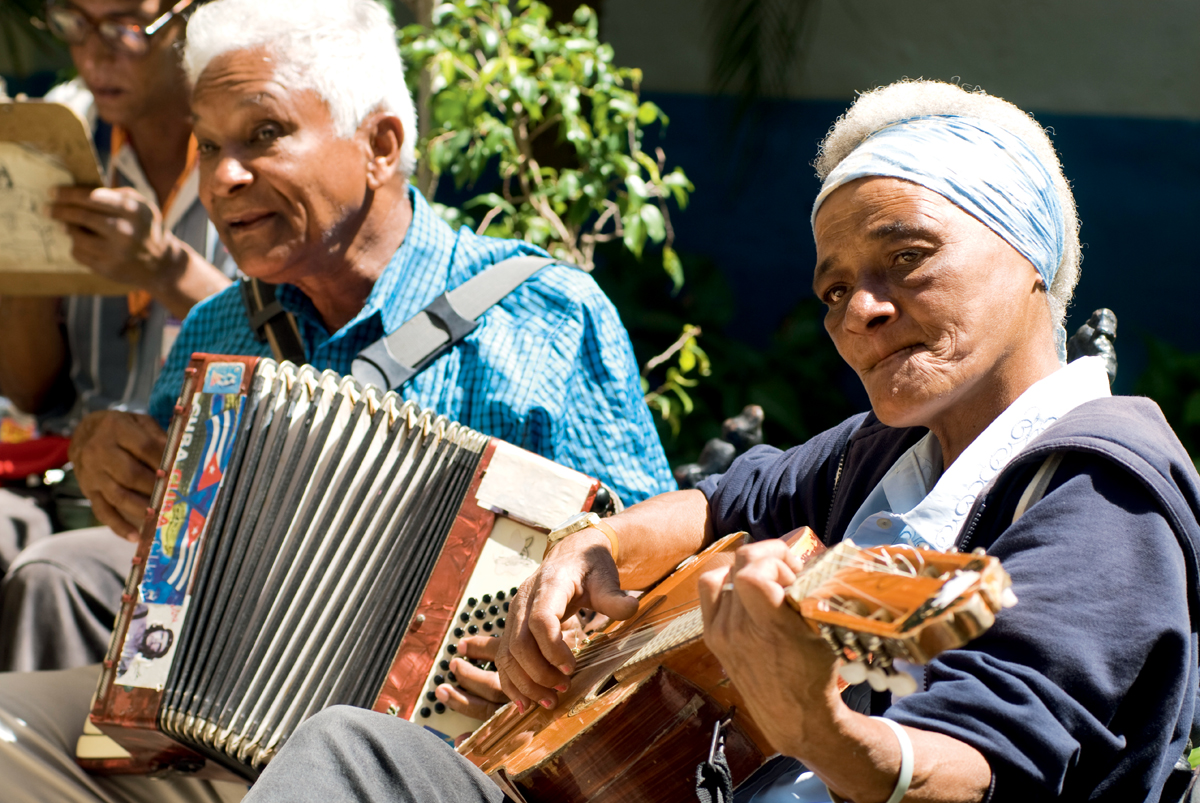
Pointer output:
1038, 485
394, 359
271, 322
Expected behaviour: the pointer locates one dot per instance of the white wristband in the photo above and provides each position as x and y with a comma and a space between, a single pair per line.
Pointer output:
906, 760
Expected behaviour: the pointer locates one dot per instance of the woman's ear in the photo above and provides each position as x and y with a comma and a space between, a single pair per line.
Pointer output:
385, 135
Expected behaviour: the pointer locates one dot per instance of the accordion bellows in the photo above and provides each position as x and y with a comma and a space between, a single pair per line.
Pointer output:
313, 543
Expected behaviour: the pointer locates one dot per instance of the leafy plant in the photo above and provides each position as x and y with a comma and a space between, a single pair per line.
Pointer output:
542, 132
545, 108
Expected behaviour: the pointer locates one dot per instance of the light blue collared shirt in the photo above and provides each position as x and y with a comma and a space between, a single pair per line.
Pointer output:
919, 502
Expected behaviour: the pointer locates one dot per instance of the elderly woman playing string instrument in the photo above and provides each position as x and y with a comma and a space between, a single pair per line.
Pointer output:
947, 252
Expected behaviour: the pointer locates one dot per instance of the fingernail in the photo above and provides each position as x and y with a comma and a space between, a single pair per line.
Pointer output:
564, 668
520, 706
547, 703
563, 687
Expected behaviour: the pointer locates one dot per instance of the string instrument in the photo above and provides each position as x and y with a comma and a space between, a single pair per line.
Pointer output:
311, 542
648, 701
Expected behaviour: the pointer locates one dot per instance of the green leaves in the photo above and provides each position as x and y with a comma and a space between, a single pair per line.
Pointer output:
543, 106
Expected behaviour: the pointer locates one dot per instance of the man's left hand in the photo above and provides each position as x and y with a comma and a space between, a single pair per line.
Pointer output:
119, 234
781, 668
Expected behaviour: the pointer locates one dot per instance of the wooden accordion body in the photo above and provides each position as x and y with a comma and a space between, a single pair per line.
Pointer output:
310, 543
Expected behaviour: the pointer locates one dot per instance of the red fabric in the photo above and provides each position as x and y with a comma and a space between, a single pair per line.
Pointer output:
19, 460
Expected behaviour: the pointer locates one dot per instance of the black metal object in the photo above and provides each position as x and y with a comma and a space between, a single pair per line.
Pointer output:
1097, 338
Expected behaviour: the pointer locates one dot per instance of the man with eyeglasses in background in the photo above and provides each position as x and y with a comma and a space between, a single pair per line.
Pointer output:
64, 358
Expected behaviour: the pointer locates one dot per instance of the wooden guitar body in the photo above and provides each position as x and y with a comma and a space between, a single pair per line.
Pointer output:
641, 710
648, 700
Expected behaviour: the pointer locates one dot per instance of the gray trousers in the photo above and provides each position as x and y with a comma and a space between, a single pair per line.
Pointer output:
41, 718
348, 754
22, 523
59, 599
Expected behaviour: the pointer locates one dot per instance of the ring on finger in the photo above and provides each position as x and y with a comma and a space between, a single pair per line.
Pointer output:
727, 587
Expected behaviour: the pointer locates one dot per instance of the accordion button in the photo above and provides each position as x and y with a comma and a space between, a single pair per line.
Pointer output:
451, 678
472, 630
438, 680
495, 609
472, 602
500, 595
444, 665
451, 649
425, 712
506, 607
513, 591
458, 632
487, 627
464, 616
487, 598
479, 614
500, 622
430, 696
440, 708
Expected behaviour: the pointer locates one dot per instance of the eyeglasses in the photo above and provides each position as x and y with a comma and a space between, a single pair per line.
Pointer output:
73, 26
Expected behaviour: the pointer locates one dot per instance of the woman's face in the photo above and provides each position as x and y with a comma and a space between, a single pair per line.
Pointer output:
939, 316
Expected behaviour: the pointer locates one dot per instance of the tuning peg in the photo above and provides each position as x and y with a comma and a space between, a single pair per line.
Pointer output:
901, 684
853, 672
877, 678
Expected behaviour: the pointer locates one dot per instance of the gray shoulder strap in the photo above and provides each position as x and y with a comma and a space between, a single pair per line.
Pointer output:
1038, 485
395, 358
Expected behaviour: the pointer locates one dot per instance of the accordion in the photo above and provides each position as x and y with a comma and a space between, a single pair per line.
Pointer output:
310, 542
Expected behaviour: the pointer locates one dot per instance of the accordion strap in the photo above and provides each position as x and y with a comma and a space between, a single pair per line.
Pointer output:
394, 359
271, 322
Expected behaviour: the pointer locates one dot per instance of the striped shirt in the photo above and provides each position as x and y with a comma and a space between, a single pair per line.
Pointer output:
115, 357
549, 368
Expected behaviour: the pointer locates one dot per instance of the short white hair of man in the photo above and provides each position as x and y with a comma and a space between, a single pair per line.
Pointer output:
344, 50
887, 105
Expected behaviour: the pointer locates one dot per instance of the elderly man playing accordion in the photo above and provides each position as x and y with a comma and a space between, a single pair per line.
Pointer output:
947, 252
305, 132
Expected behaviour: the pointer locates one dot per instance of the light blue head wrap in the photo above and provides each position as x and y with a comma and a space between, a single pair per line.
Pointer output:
980, 167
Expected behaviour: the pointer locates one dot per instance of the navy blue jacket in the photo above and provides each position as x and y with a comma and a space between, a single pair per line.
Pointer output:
1086, 689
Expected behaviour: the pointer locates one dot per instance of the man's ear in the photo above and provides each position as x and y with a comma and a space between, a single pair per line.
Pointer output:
385, 135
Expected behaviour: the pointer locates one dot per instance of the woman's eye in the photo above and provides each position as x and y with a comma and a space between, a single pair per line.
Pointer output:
833, 295
204, 148
907, 257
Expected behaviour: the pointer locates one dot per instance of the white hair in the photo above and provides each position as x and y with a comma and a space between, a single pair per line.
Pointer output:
881, 107
344, 50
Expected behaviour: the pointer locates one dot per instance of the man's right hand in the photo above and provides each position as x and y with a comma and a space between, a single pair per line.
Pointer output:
534, 659
116, 457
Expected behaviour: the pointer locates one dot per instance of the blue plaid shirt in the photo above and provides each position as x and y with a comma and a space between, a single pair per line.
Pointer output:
550, 368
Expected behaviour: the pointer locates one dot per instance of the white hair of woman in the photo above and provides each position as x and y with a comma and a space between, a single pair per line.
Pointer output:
881, 108
344, 50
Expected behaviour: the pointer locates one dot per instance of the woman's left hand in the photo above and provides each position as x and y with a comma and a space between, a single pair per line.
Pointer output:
780, 667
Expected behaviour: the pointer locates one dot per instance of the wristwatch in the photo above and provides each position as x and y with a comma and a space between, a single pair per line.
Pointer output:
580, 521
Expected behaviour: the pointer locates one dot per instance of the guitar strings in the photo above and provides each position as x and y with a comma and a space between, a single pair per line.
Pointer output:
882, 560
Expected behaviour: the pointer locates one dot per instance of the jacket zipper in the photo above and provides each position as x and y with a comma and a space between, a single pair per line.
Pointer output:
837, 479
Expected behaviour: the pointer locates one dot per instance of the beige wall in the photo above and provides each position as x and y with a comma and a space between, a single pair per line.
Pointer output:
1105, 57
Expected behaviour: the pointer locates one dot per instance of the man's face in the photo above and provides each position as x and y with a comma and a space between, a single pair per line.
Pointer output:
929, 306
128, 87
285, 191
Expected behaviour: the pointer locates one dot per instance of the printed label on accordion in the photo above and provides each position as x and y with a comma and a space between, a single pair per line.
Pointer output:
150, 645
195, 477
223, 377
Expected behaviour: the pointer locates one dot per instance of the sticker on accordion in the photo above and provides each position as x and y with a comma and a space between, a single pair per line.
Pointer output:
150, 645
195, 477
223, 377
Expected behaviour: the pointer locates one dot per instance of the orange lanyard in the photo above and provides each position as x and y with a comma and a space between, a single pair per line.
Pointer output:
139, 300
